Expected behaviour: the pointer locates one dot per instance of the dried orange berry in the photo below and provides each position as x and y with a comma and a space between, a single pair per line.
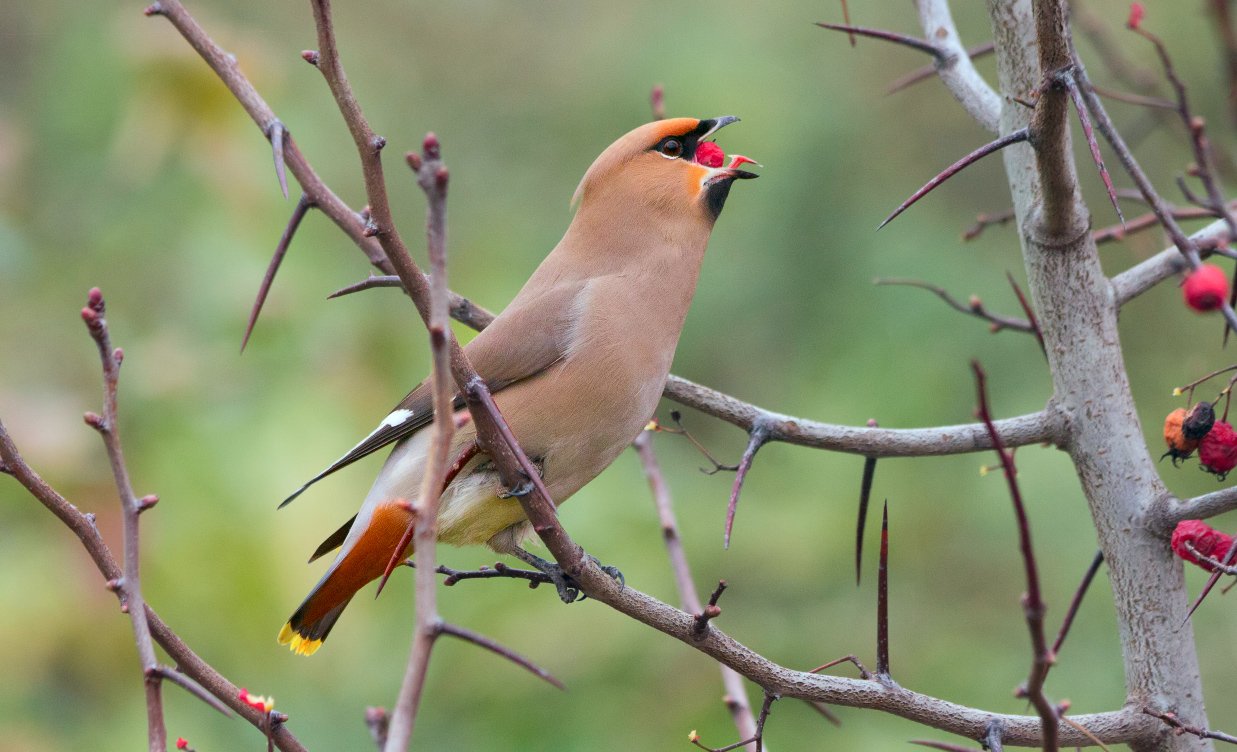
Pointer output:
1179, 445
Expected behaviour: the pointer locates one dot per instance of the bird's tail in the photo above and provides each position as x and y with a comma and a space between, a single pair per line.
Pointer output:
363, 560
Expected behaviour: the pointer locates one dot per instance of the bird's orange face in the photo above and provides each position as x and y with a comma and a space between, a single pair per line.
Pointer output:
668, 166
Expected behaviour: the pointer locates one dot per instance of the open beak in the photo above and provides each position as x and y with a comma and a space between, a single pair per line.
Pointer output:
729, 172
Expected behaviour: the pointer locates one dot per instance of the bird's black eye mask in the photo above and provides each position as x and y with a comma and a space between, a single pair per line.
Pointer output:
674, 147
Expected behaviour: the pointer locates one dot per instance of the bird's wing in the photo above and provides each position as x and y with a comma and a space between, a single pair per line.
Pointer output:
533, 334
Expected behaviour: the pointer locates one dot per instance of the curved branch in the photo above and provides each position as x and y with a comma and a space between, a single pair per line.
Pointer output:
1046, 426
956, 69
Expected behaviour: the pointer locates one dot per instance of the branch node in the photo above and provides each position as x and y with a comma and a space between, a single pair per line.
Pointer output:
310, 56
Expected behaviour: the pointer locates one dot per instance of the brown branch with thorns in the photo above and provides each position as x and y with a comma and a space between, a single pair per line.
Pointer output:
1044, 426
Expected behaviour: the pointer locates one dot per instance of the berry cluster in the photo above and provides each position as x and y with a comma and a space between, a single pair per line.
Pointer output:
1197, 428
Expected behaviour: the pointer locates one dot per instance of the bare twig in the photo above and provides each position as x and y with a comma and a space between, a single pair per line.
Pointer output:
985, 220
1081, 108
1182, 728
433, 179
975, 307
1032, 602
1032, 321
129, 586
689, 599
700, 623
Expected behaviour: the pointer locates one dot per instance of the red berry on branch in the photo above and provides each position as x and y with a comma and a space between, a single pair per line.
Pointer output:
1218, 450
1203, 539
1205, 288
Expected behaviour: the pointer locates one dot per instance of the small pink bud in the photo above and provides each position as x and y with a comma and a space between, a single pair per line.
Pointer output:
154, 9
94, 420
430, 147
95, 297
181, 743
441, 177
414, 161
310, 56
1137, 11
378, 142
89, 316
118, 355
146, 502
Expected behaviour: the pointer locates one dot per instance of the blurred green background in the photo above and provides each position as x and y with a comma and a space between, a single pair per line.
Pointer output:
125, 164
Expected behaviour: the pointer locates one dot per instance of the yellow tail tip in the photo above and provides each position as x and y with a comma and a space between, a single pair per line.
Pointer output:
296, 643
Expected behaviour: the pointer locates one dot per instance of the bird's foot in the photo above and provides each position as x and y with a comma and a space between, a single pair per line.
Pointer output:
568, 588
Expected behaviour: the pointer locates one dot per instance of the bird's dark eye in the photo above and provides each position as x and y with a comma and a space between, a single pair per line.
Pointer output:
672, 147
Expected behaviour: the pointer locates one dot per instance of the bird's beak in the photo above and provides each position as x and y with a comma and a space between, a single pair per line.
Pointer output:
730, 171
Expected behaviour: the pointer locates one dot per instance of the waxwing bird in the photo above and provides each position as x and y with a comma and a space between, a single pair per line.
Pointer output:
576, 362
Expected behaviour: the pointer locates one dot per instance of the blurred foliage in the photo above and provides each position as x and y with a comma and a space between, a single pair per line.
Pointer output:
125, 164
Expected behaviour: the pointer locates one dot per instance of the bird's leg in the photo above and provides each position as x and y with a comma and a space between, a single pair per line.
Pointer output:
567, 588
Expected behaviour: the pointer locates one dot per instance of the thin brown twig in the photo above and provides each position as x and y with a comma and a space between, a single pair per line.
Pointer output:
1182, 728
700, 622
433, 179
975, 307
689, 599
1032, 321
986, 220
129, 587
1088, 133
1032, 602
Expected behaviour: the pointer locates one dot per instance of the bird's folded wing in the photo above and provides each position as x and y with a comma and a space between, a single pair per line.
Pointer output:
533, 334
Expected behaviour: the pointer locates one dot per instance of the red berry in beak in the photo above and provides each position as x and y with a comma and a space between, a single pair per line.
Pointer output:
710, 154
1205, 288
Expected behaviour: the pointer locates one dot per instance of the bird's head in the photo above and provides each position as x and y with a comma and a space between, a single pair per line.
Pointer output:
667, 167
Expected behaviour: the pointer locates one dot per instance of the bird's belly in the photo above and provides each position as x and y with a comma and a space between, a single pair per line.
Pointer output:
471, 512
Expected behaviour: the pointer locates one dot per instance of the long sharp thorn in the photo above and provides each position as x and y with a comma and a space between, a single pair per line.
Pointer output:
277, 134
983, 151
1081, 108
1211, 581
888, 36
1077, 601
882, 600
281, 250
928, 71
759, 435
865, 495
